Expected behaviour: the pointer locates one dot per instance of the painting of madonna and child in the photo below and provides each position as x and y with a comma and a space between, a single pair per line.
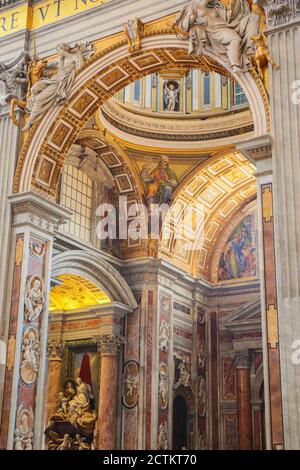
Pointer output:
238, 259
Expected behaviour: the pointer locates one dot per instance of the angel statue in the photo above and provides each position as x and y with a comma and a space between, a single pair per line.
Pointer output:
55, 90
227, 30
171, 96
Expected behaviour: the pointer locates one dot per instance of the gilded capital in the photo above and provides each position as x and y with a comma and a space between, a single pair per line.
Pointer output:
109, 344
55, 349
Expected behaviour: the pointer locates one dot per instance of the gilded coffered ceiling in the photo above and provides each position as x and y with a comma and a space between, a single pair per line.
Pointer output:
75, 292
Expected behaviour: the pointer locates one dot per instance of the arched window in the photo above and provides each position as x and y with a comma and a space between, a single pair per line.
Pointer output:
76, 195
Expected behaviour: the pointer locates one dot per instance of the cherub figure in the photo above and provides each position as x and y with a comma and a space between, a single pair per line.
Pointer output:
63, 402
66, 443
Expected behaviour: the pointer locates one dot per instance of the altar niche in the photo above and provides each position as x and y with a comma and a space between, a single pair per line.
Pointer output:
71, 425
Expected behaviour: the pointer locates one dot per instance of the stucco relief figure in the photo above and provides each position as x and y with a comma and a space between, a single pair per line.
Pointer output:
34, 298
202, 396
227, 30
164, 335
130, 384
163, 436
55, 90
72, 426
24, 429
163, 387
201, 354
133, 30
184, 370
30, 356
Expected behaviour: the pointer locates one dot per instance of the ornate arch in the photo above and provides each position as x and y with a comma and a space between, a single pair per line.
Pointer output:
216, 191
94, 268
47, 144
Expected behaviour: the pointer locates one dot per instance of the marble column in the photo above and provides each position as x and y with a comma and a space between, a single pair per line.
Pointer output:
55, 350
283, 35
244, 414
106, 428
34, 222
259, 151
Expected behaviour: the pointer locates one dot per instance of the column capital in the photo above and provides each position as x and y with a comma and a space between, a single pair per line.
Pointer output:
55, 349
33, 210
109, 345
242, 359
259, 152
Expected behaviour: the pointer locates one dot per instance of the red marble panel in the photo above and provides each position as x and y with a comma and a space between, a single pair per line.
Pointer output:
149, 363
214, 380
228, 379
230, 431
257, 430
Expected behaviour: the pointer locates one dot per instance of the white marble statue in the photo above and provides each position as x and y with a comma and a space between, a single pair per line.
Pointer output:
81, 401
171, 96
55, 90
133, 30
227, 30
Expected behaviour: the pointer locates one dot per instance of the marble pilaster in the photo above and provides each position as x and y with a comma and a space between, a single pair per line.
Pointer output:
34, 222
259, 151
283, 41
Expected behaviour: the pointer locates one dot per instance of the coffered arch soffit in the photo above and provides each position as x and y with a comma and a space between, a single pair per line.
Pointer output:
48, 142
219, 189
